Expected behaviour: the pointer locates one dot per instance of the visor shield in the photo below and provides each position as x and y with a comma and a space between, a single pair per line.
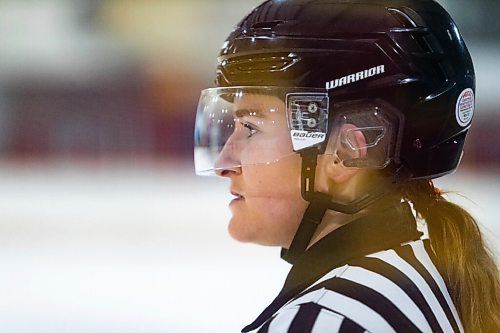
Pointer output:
242, 126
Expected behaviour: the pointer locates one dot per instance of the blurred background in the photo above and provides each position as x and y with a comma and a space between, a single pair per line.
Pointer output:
103, 225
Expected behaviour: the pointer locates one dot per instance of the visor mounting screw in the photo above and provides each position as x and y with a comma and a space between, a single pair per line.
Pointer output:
311, 122
312, 107
417, 144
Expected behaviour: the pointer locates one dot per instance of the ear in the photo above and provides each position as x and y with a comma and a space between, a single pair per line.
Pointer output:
351, 144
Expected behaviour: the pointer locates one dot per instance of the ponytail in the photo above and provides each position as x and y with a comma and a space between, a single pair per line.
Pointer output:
467, 266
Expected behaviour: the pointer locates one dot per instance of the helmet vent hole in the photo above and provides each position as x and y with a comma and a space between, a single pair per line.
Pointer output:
265, 26
256, 63
402, 18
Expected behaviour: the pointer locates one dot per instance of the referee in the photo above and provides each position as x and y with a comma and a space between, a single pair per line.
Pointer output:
330, 118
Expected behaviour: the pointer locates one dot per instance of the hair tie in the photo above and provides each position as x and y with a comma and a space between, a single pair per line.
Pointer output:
435, 195
437, 191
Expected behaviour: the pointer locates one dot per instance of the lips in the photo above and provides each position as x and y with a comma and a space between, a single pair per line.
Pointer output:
238, 199
237, 195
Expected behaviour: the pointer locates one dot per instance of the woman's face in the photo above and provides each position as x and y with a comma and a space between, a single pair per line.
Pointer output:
264, 173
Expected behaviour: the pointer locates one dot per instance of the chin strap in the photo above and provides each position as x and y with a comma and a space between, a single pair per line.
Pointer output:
318, 204
310, 221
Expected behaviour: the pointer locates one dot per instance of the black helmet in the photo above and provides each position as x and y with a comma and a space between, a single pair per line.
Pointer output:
407, 54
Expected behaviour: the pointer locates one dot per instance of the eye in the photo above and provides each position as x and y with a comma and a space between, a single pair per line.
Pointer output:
251, 129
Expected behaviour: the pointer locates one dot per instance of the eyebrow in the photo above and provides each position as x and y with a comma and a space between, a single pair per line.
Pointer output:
240, 113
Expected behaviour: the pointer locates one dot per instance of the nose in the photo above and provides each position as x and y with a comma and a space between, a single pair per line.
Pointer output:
228, 172
228, 162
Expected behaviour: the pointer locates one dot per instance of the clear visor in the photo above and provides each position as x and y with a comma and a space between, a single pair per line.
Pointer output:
242, 126
245, 126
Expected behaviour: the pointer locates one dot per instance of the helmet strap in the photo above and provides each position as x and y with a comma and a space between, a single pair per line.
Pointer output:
310, 221
318, 204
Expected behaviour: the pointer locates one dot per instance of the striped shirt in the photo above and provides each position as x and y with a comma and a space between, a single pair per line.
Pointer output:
397, 289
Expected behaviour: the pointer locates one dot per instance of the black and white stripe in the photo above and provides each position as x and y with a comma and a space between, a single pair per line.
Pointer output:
395, 290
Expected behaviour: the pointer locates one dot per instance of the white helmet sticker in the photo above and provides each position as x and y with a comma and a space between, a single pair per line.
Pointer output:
307, 118
464, 109
304, 139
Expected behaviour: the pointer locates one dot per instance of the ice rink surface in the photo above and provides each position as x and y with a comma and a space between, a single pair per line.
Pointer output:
144, 248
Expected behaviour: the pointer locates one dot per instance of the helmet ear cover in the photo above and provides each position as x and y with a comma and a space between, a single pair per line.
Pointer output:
380, 125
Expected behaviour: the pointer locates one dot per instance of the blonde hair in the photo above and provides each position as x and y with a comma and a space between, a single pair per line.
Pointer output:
467, 265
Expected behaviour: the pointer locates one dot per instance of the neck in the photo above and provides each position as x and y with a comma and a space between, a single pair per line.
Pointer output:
331, 221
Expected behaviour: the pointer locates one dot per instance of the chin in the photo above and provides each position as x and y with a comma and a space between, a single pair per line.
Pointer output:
239, 231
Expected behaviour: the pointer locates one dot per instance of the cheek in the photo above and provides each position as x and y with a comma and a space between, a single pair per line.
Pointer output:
267, 148
267, 221
273, 206
276, 180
